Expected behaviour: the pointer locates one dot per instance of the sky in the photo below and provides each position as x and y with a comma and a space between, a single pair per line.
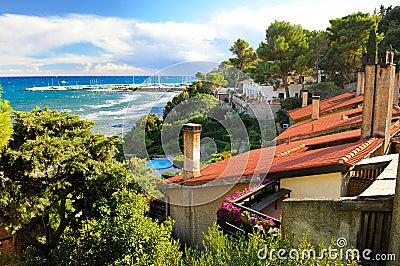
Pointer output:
139, 37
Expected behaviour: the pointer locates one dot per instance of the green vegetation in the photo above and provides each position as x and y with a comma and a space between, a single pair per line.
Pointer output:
348, 37
282, 116
285, 44
245, 55
5, 121
55, 169
68, 200
178, 160
153, 135
122, 234
258, 249
389, 26
326, 89
291, 50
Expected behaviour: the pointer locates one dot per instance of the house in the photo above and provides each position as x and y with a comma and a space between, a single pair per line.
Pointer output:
312, 159
267, 93
342, 102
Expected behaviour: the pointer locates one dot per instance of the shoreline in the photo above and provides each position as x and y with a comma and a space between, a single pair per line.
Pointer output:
113, 88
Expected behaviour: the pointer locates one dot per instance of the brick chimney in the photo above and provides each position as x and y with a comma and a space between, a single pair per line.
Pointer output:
191, 150
396, 88
315, 107
305, 98
378, 98
360, 82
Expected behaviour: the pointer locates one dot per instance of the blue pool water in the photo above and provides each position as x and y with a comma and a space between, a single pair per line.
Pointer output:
159, 164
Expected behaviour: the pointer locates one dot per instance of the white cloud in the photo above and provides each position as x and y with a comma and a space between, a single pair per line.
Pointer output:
96, 44
110, 68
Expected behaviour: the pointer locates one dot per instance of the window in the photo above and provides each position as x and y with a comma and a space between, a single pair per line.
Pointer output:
281, 95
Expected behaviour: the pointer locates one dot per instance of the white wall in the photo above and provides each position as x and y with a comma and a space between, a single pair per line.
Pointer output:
267, 93
315, 186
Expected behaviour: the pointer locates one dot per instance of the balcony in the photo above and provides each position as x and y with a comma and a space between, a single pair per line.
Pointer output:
245, 211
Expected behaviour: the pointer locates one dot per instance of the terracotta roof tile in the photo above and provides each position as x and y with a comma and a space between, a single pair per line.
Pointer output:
325, 123
327, 105
293, 156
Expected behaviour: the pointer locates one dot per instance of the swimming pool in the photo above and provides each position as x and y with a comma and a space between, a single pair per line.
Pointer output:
159, 164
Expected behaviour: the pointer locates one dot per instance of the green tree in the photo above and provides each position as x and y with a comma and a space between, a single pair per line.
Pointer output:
372, 45
5, 121
201, 75
291, 103
319, 43
390, 27
122, 235
261, 73
326, 89
348, 40
145, 138
283, 46
216, 79
56, 171
245, 55
231, 74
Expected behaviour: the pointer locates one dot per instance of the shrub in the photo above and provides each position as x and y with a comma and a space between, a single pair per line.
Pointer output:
178, 161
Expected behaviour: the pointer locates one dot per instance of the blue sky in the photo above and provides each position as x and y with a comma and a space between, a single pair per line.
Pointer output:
129, 37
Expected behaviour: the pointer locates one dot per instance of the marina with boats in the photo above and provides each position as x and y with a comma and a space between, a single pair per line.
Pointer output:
96, 85
113, 87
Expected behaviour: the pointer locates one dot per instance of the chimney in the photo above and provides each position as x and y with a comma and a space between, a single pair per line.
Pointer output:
191, 150
378, 99
396, 88
315, 107
305, 98
360, 82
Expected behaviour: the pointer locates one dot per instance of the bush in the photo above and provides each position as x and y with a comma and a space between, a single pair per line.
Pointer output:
257, 249
325, 89
168, 174
291, 103
178, 161
282, 117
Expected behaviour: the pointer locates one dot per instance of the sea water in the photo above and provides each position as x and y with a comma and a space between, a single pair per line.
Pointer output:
113, 112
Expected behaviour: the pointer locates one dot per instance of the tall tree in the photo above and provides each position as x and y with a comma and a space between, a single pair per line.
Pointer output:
122, 235
390, 27
319, 43
371, 45
284, 44
56, 171
245, 55
348, 40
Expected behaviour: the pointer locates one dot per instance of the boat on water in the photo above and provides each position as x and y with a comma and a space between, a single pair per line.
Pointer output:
112, 87
65, 87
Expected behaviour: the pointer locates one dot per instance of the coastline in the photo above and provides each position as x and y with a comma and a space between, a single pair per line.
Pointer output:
113, 88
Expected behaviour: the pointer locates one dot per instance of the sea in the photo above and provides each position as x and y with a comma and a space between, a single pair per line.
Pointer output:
113, 112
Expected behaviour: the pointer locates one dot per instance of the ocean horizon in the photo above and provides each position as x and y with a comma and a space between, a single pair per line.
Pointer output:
113, 112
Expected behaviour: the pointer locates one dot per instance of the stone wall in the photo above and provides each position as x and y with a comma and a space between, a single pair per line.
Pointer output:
200, 210
322, 218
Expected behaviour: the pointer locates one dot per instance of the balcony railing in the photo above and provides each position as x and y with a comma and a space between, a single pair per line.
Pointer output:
242, 213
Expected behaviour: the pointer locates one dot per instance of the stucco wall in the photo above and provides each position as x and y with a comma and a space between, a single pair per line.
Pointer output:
192, 222
320, 217
315, 186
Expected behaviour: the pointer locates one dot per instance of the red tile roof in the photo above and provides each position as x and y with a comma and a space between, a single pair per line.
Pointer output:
347, 99
323, 124
293, 156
